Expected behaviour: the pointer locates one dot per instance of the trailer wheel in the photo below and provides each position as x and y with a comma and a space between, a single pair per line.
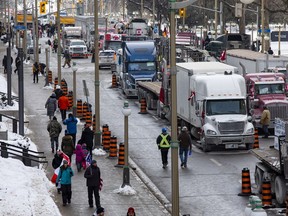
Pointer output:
280, 190
259, 179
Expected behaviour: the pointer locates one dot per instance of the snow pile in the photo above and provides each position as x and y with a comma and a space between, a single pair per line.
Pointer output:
126, 190
98, 152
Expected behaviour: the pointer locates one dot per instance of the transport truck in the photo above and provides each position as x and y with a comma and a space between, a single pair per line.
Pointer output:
267, 89
273, 163
211, 102
136, 61
254, 62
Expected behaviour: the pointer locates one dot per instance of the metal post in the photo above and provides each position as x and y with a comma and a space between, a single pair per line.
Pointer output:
9, 66
279, 40
15, 22
153, 17
174, 143
252, 34
216, 17
221, 17
25, 30
36, 33
59, 42
142, 8
47, 65
74, 108
21, 89
123, 10
33, 33
262, 25
97, 139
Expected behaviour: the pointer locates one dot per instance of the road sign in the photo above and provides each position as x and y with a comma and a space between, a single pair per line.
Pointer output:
265, 30
20, 27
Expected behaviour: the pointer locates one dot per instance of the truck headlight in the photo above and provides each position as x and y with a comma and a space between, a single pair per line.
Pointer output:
250, 131
211, 132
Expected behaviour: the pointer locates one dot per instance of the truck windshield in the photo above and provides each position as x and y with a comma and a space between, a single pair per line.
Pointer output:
113, 45
224, 107
276, 88
141, 66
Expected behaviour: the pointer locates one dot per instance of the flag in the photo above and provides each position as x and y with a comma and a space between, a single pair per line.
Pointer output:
56, 171
88, 159
223, 56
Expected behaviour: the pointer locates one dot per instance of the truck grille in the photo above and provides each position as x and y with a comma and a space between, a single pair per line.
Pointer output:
231, 127
278, 111
78, 49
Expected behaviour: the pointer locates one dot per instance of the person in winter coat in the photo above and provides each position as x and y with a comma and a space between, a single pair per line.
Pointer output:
42, 67
71, 123
131, 212
185, 144
80, 157
55, 45
93, 183
58, 91
35, 72
17, 63
54, 128
87, 137
265, 121
64, 177
51, 105
56, 162
67, 145
163, 142
4, 63
67, 58
63, 104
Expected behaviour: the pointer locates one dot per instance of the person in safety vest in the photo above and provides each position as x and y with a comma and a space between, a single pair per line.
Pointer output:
163, 142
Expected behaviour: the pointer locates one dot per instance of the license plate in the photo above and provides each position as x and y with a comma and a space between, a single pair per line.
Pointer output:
231, 146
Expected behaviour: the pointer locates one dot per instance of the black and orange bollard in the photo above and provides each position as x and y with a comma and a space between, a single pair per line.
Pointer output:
94, 123
121, 155
246, 183
256, 139
113, 147
85, 109
50, 77
106, 136
55, 82
143, 106
88, 117
70, 99
79, 110
105, 127
266, 193
64, 87
114, 81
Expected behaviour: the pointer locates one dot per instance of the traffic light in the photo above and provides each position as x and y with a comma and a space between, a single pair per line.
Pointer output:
182, 12
42, 7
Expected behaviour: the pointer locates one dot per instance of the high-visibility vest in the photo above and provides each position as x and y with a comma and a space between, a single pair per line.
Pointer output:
164, 142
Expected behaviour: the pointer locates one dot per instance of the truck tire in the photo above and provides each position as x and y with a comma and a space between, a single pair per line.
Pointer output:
258, 179
280, 190
205, 146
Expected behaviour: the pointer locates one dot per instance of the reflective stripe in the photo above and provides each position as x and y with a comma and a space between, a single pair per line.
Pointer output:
164, 142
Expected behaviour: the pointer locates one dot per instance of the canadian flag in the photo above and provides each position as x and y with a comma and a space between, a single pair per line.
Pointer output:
223, 56
56, 171
192, 95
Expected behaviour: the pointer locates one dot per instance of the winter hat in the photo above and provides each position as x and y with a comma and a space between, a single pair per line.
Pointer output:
131, 210
65, 162
184, 128
93, 162
164, 130
100, 210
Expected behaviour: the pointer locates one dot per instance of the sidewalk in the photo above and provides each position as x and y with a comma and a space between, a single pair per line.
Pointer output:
144, 202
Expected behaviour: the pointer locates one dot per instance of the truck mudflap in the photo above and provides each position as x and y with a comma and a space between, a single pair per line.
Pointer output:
230, 141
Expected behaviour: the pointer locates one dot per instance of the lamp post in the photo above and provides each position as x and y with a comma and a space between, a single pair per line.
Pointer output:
74, 69
47, 53
59, 47
126, 173
21, 87
279, 39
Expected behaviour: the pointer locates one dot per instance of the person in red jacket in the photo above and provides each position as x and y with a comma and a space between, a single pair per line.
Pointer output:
63, 104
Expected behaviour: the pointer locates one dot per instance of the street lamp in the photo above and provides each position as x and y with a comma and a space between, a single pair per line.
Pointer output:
47, 52
21, 87
279, 38
126, 175
74, 69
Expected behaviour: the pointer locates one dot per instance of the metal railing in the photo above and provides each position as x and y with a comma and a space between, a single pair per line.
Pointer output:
14, 121
26, 155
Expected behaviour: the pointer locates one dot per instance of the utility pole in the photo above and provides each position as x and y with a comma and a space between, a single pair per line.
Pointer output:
9, 66
142, 8
36, 32
216, 17
16, 23
59, 47
21, 89
25, 30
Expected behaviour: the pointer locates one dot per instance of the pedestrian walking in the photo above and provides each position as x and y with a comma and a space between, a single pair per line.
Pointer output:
63, 104
54, 128
99, 212
131, 212
4, 63
67, 145
270, 51
51, 105
55, 45
35, 72
265, 121
93, 183
56, 162
67, 58
58, 91
71, 123
17, 64
64, 178
42, 67
87, 137
163, 142
185, 145
80, 157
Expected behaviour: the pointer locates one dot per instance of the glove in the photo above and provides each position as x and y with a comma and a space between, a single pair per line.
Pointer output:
190, 152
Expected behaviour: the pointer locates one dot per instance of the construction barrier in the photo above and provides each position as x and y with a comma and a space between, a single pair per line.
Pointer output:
143, 106
114, 81
256, 139
85, 109
121, 155
70, 99
55, 82
113, 147
94, 123
106, 136
88, 117
50, 77
79, 109
246, 183
266, 193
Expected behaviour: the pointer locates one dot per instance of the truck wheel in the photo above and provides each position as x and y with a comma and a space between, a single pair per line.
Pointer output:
259, 179
205, 146
280, 190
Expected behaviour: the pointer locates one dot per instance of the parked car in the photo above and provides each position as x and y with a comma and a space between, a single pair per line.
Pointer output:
78, 48
106, 58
